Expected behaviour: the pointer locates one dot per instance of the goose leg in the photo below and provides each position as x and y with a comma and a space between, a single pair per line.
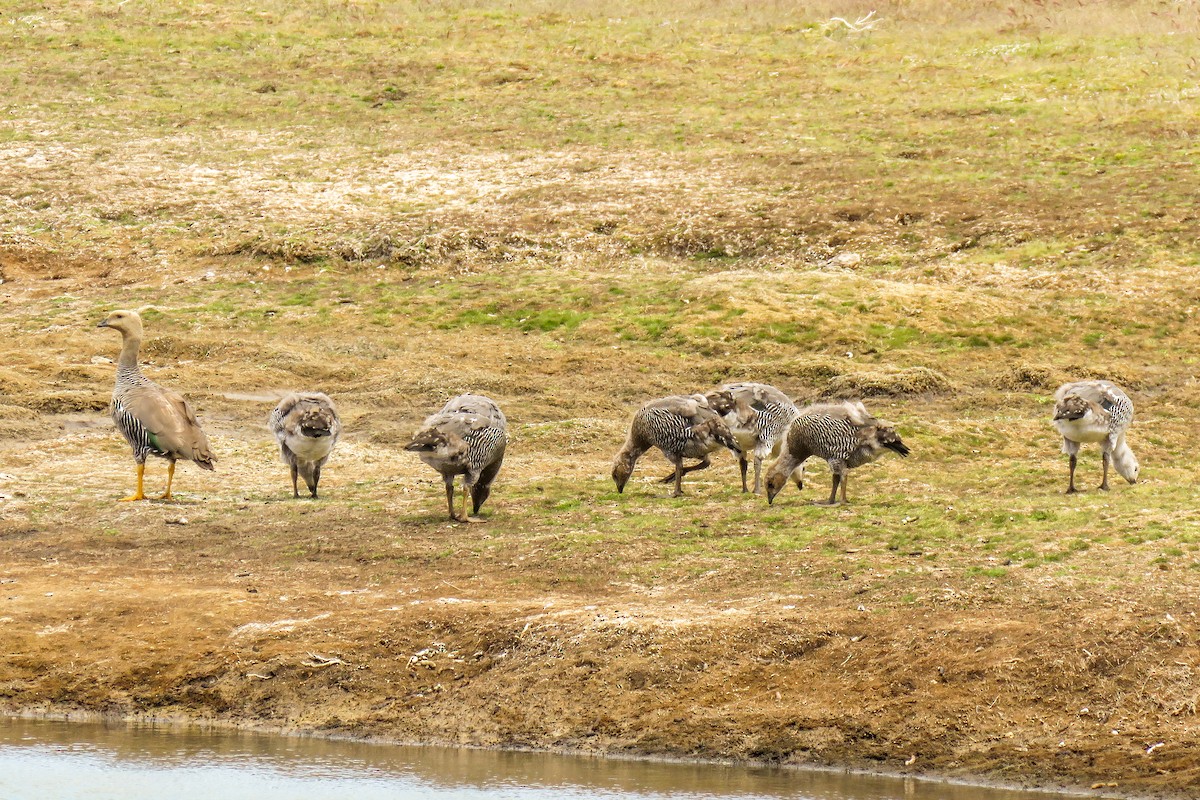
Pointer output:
1104, 457
295, 474
140, 494
704, 463
742, 465
316, 479
838, 468
1071, 481
170, 477
450, 496
832, 501
678, 476
465, 494
757, 476
845, 482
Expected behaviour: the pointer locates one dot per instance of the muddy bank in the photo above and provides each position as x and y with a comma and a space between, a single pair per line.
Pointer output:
1040, 693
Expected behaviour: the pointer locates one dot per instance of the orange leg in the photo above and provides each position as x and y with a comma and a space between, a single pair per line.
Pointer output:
170, 477
139, 494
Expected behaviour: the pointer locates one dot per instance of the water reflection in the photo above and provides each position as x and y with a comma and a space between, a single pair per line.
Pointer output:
41, 759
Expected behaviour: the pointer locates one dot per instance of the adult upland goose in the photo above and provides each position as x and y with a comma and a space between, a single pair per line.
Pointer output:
154, 420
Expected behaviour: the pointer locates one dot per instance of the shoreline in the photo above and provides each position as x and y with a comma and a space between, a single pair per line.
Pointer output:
228, 726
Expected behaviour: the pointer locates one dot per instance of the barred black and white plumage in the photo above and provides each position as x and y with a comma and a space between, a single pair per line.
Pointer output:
1096, 411
844, 434
758, 415
152, 419
133, 431
307, 426
681, 427
467, 437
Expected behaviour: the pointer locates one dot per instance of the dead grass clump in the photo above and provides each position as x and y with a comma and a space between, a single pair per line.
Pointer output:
810, 372
18, 421
378, 245
168, 347
813, 372
712, 238
910, 381
65, 401
1028, 378
1122, 377
292, 248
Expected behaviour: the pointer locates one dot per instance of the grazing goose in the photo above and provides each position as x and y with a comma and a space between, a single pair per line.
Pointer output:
758, 417
307, 427
681, 427
1096, 411
154, 420
467, 437
844, 434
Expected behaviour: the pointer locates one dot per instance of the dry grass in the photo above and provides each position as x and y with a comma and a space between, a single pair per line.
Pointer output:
573, 209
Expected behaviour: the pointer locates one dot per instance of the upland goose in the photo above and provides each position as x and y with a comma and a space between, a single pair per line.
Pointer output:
758, 417
1096, 411
844, 434
307, 427
681, 427
467, 437
154, 420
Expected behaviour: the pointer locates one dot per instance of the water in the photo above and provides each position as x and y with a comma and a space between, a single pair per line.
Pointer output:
42, 760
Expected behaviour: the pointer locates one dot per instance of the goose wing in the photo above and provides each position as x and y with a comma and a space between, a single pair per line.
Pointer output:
170, 423
693, 409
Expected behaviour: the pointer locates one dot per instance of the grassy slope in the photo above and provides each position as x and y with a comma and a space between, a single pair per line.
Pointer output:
576, 208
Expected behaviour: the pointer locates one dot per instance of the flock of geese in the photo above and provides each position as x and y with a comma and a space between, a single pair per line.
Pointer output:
468, 435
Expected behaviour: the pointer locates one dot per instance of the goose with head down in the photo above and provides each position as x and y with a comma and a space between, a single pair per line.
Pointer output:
681, 427
844, 434
1096, 411
467, 437
758, 415
307, 426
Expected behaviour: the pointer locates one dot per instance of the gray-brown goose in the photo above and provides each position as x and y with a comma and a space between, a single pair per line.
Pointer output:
1096, 411
467, 437
681, 427
306, 425
154, 420
758, 416
844, 434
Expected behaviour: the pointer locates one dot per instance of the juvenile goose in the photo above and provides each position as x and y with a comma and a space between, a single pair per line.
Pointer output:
681, 427
307, 427
467, 437
154, 420
758, 417
844, 434
1096, 411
